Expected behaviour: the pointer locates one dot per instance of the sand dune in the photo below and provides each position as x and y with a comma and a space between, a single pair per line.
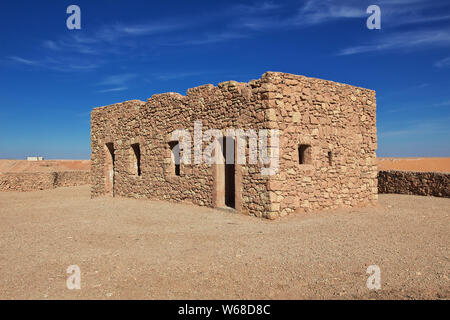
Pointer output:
404, 164
44, 166
414, 164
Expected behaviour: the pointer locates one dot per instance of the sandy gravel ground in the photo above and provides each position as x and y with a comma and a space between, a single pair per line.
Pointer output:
414, 164
144, 249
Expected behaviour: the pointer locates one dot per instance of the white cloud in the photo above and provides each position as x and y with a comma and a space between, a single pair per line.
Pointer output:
316, 12
213, 38
255, 8
394, 13
178, 75
65, 65
420, 127
113, 89
112, 33
24, 61
50, 44
443, 63
117, 79
419, 20
236, 22
445, 103
118, 82
403, 41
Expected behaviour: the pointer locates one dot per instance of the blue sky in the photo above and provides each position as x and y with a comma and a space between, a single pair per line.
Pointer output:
51, 77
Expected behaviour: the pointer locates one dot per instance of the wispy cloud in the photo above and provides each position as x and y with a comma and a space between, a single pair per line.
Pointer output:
63, 65
407, 91
177, 75
113, 89
445, 103
122, 34
117, 79
412, 13
418, 128
443, 63
52, 45
403, 41
255, 8
86, 50
394, 12
397, 13
316, 12
210, 38
117, 82
311, 13
24, 61
83, 51
93, 43
146, 29
419, 20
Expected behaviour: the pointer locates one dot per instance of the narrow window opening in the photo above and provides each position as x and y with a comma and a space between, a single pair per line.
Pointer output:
175, 150
304, 154
330, 158
137, 158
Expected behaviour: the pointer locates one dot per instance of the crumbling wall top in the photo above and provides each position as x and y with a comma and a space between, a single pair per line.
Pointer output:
120, 104
265, 83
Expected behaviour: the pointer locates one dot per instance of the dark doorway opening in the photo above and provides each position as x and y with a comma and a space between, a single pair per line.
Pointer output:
175, 149
110, 168
228, 149
110, 147
137, 158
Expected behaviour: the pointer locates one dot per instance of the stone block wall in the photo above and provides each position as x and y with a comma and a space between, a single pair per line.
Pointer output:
327, 115
334, 126
418, 183
229, 105
30, 181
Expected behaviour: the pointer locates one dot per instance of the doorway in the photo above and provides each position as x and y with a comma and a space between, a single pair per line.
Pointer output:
228, 152
109, 168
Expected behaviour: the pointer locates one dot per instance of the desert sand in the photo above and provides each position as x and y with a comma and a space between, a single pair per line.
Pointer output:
44, 165
141, 249
414, 164
405, 164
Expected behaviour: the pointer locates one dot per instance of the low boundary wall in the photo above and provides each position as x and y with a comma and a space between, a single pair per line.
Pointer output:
389, 181
30, 181
411, 182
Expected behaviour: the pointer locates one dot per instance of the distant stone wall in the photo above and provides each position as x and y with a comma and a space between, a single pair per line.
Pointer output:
72, 178
418, 183
30, 181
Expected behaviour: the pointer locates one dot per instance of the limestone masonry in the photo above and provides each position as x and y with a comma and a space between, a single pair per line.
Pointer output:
327, 138
435, 184
31, 181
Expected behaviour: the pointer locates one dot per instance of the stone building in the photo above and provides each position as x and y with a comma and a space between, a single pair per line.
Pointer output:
326, 156
35, 158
